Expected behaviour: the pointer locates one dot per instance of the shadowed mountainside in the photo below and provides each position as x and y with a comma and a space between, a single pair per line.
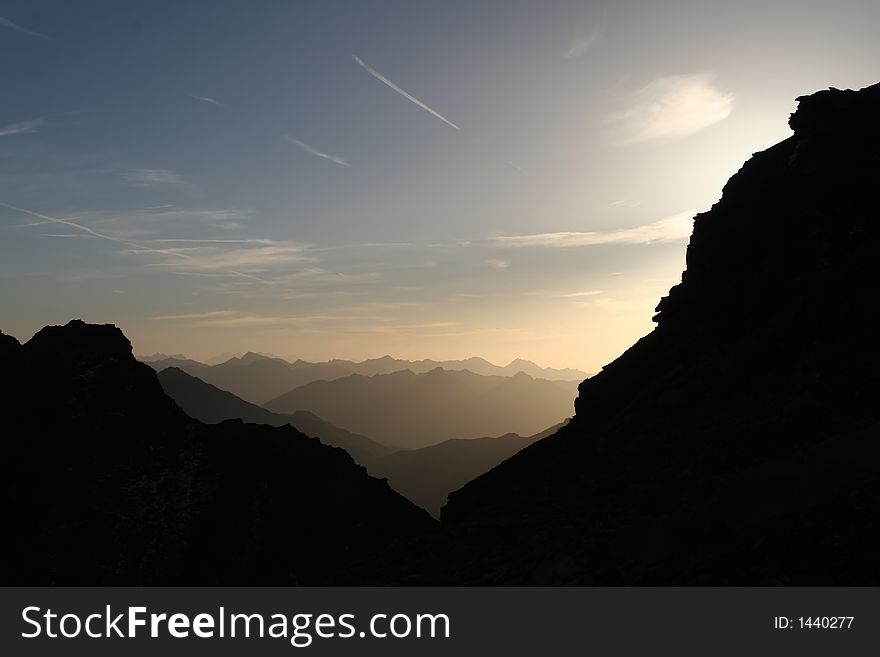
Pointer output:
258, 379
739, 442
427, 475
109, 482
415, 410
424, 476
209, 404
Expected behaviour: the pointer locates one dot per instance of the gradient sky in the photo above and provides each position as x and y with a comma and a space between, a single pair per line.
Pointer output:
350, 179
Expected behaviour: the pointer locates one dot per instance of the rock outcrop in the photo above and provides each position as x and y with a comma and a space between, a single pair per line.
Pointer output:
739, 442
108, 482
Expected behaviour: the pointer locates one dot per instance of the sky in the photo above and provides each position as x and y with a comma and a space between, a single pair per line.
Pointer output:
320, 179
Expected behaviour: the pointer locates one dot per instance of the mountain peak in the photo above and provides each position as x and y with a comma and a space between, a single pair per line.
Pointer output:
253, 356
78, 342
836, 111
8, 343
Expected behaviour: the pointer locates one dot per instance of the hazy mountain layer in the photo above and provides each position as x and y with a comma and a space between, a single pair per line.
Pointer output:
109, 482
259, 379
415, 410
209, 404
739, 442
424, 476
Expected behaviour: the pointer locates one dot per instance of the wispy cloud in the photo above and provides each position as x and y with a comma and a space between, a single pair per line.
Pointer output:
153, 177
672, 106
575, 295
267, 262
350, 321
205, 99
403, 93
625, 203
314, 151
231, 318
211, 241
500, 265
85, 229
237, 257
23, 127
145, 224
225, 218
5, 22
186, 316
584, 41
671, 229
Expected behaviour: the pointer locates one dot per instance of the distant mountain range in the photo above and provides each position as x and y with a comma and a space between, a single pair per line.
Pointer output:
425, 476
211, 405
259, 378
416, 410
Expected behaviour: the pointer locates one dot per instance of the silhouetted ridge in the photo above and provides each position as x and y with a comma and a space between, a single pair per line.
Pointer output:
211, 405
739, 442
259, 379
412, 410
88, 370
427, 475
109, 482
835, 112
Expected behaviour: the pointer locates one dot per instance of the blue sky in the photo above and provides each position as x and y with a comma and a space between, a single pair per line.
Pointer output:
348, 179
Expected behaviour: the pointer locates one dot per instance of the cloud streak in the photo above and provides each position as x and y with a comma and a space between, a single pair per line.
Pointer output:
209, 257
232, 318
5, 22
671, 107
21, 128
311, 150
205, 99
574, 295
225, 218
369, 69
584, 41
88, 231
239, 258
153, 177
671, 229
186, 316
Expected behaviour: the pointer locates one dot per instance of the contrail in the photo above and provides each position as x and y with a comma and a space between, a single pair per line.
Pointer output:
314, 151
409, 97
133, 245
93, 233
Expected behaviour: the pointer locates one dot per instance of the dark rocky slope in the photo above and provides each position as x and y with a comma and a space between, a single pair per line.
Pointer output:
109, 482
739, 442
427, 475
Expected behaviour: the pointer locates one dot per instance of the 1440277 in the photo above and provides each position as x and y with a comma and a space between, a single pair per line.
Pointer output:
813, 622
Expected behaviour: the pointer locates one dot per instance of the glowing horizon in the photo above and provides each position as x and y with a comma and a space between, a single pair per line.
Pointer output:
459, 187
